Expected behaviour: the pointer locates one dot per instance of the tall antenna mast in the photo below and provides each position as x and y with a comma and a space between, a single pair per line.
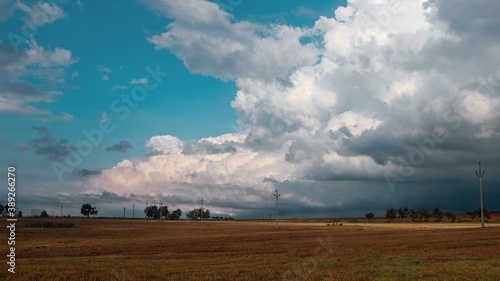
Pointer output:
201, 210
276, 195
480, 175
161, 207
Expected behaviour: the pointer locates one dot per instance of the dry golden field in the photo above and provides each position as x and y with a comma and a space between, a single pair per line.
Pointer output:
118, 249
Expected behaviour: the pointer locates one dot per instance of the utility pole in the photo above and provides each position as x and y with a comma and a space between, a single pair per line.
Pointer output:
201, 210
480, 176
124, 212
133, 209
147, 201
161, 206
276, 195
61, 210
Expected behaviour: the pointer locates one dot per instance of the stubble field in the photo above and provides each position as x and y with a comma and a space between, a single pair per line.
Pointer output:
117, 249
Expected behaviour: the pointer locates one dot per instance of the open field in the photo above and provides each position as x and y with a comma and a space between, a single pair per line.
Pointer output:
115, 249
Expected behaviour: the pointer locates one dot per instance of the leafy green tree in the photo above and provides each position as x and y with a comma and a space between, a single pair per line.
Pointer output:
425, 214
44, 214
403, 212
437, 214
370, 216
175, 215
87, 210
3, 208
477, 214
152, 212
473, 214
414, 215
450, 216
391, 214
163, 210
195, 214
486, 213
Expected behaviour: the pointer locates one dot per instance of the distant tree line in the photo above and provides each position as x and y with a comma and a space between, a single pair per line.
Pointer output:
162, 212
4, 210
424, 214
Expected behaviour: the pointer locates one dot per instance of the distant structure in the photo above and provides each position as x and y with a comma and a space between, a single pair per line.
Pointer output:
161, 207
201, 210
133, 210
36, 212
480, 175
276, 194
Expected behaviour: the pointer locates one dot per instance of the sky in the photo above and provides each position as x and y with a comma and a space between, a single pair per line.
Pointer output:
344, 107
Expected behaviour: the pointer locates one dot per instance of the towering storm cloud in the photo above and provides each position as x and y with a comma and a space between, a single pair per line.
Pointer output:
384, 103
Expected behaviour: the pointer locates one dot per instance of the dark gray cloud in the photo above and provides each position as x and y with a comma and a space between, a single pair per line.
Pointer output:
468, 18
121, 147
31, 74
86, 172
49, 147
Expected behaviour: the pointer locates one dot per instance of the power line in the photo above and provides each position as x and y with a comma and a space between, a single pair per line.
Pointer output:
480, 175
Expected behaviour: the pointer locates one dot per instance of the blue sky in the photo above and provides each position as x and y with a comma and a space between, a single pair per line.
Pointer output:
234, 99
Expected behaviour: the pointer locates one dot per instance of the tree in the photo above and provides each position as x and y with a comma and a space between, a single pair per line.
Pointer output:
19, 214
477, 213
370, 216
473, 214
486, 213
44, 214
424, 213
195, 214
403, 212
414, 215
437, 214
175, 215
391, 213
152, 212
450, 216
163, 211
3, 208
88, 210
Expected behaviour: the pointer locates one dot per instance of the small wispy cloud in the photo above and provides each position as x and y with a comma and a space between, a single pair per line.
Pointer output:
119, 87
139, 81
103, 69
122, 147
105, 77
63, 117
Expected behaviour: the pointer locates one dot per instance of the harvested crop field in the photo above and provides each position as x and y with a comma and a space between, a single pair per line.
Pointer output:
114, 249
